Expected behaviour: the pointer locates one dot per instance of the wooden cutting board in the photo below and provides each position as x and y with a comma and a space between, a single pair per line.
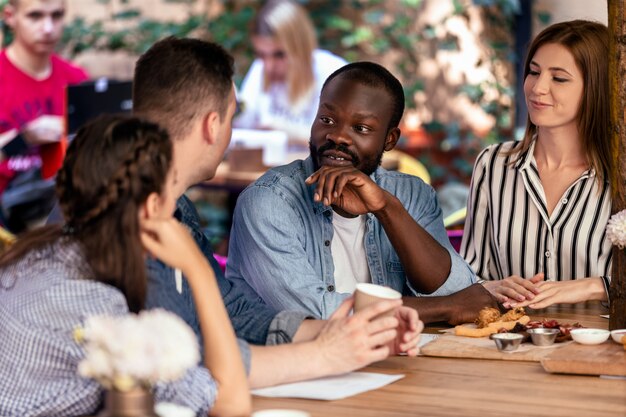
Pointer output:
608, 358
451, 346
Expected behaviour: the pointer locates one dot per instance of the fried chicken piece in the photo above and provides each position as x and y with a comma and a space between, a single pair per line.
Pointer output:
513, 315
487, 315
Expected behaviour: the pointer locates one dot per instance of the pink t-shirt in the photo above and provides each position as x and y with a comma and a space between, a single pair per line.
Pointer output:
23, 99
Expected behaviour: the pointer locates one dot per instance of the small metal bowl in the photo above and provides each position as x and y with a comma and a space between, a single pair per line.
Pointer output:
507, 342
543, 337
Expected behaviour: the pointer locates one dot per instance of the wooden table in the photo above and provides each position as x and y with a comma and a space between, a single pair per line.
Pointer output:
481, 388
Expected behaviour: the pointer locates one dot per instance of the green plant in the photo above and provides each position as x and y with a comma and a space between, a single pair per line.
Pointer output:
395, 34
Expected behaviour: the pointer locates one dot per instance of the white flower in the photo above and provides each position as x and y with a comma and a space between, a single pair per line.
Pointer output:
616, 229
122, 352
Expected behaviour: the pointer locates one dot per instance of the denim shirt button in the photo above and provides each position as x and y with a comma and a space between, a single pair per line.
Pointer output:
327, 243
330, 288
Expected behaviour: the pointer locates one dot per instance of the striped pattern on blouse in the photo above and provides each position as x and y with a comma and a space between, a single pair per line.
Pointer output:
508, 230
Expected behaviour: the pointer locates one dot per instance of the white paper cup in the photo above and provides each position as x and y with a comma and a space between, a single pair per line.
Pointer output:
280, 413
367, 294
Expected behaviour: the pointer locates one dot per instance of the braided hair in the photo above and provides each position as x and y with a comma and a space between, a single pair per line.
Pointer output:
112, 166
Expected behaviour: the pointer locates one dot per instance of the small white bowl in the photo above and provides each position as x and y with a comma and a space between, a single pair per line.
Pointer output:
590, 336
618, 334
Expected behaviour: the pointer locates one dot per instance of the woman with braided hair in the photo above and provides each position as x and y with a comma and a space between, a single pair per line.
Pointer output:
115, 193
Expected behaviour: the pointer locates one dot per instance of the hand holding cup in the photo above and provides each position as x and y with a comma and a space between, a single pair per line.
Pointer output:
368, 294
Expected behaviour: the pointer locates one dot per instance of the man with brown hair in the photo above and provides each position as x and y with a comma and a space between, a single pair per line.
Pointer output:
186, 86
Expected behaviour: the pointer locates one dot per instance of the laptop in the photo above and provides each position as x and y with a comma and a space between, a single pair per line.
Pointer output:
92, 98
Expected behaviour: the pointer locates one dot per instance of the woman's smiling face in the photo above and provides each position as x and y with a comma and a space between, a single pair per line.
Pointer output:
553, 87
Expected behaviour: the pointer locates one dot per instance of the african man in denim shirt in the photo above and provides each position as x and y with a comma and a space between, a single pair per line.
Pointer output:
186, 86
306, 233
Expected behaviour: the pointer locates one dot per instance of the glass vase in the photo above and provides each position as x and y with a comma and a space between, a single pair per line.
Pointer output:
137, 402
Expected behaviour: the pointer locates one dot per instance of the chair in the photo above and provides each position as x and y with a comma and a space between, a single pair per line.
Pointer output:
221, 260
456, 237
6, 238
455, 218
405, 163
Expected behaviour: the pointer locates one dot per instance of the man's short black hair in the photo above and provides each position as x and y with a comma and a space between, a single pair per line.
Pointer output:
374, 75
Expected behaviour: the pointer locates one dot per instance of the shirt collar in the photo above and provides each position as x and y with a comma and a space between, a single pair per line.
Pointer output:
526, 160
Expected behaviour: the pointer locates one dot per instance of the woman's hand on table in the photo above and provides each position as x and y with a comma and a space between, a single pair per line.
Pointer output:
566, 292
514, 289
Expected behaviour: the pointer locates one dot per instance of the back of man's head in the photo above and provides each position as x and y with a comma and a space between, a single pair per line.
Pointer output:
178, 80
374, 75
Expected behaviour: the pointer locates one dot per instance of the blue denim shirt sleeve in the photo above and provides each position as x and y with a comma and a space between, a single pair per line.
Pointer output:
428, 212
162, 293
268, 251
250, 316
253, 320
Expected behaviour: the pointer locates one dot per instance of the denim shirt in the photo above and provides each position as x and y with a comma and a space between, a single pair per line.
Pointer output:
252, 319
281, 240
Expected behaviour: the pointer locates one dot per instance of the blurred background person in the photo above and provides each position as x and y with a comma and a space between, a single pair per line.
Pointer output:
32, 103
281, 89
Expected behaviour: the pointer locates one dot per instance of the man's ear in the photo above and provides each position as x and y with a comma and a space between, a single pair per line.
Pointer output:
8, 14
210, 126
392, 138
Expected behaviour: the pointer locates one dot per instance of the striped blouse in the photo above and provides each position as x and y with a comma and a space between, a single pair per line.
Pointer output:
508, 230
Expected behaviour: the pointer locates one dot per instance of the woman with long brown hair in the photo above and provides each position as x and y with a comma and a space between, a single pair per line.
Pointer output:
538, 208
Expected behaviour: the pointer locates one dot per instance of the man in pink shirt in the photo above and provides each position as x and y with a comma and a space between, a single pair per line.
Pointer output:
32, 93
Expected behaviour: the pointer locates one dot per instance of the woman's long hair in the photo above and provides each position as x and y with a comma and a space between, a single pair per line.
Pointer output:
111, 167
290, 26
588, 42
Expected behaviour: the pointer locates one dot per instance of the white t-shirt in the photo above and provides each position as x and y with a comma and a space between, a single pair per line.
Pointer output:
348, 250
271, 109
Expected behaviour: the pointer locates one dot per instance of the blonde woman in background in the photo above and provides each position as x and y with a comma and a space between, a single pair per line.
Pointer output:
281, 89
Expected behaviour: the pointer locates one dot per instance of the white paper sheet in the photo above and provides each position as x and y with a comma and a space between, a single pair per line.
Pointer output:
330, 388
426, 338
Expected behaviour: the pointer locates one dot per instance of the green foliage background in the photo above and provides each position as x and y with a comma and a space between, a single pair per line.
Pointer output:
355, 29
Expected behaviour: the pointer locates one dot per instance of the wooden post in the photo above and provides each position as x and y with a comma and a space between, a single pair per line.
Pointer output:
617, 69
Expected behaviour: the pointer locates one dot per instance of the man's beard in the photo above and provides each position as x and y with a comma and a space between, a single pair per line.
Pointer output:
367, 166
